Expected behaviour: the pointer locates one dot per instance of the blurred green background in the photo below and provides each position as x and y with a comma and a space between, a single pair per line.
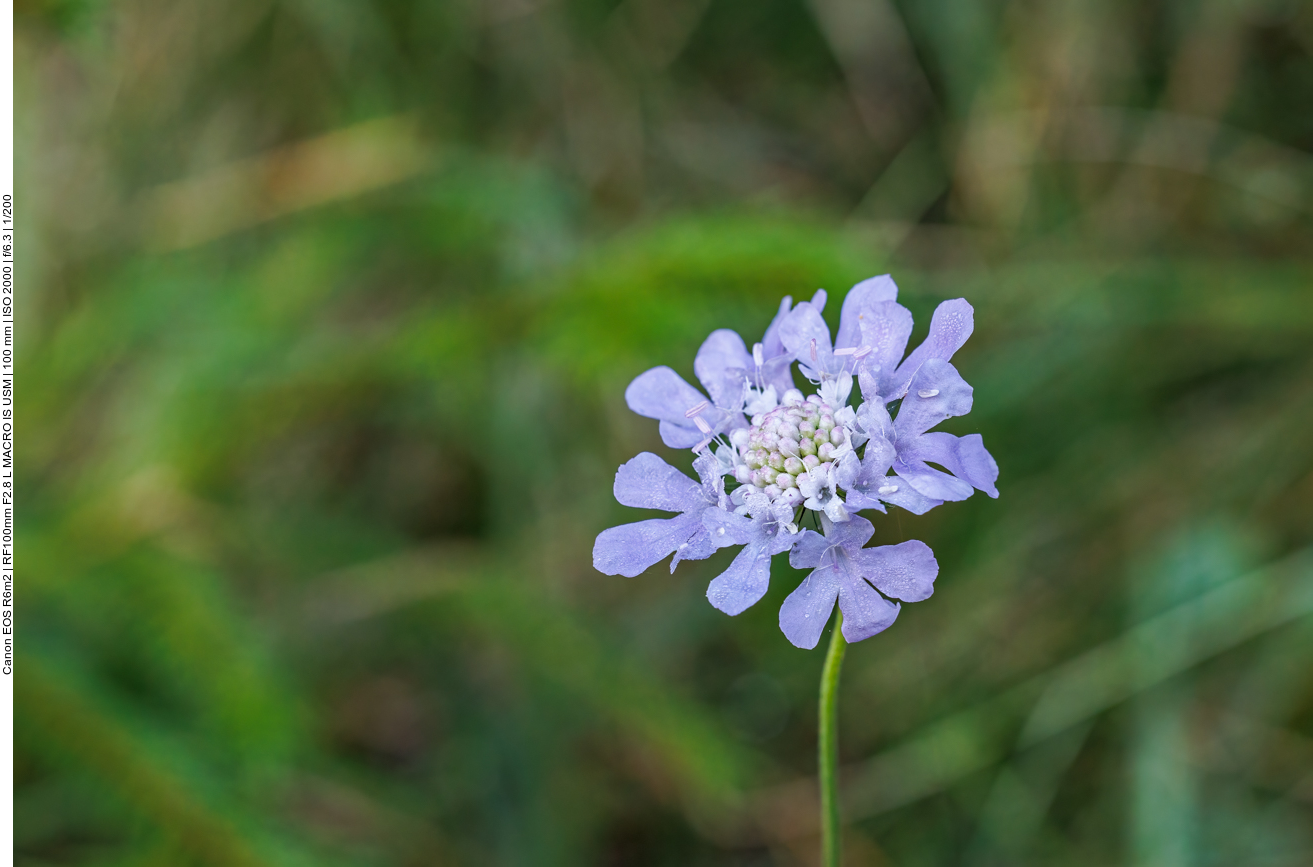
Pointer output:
327, 309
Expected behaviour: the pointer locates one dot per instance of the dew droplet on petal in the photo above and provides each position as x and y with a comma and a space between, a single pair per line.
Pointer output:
927, 392
888, 489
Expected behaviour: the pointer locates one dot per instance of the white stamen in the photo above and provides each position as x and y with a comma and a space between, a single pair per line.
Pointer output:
758, 355
927, 392
702, 445
863, 351
702, 424
694, 410
847, 350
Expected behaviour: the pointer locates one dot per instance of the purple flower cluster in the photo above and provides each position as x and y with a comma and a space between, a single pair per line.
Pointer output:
784, 454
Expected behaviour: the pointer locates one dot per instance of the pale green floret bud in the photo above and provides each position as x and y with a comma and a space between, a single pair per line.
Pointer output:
786, 442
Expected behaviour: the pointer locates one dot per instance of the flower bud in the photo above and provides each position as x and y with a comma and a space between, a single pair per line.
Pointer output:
743, 474
788, 447
811, 462
825, 452
838, 435
794, 466
807, 447
776, 461
784, 481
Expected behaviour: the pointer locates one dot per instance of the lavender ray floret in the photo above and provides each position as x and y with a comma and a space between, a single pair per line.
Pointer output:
722, 366
844, 570
631, 549
871, 291
662, 394
950, 327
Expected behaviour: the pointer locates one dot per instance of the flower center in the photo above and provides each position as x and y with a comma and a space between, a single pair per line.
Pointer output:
788, 441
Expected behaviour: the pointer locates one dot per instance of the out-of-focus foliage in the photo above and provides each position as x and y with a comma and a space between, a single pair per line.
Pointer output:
327, 309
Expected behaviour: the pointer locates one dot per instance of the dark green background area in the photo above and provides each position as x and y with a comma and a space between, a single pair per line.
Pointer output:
326, 313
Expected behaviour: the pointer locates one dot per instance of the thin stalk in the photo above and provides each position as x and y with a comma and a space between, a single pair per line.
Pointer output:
829, 747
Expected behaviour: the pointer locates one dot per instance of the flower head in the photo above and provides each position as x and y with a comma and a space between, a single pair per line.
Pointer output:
788, 455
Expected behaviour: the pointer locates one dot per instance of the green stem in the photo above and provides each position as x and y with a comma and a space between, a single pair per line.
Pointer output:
829, 747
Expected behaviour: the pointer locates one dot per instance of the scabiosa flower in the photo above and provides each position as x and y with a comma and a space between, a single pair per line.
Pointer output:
771, 458
792, 457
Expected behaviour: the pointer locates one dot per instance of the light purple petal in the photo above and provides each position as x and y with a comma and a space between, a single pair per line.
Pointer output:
906, 571
804, 614
771, 345
874, 290
904, 496
964, 457
800, 328
698, 547
851, 534
680, 436
936, 392
950, 327
858, 500
726, 528
778, 372
721, 365
807, 550
885, 328
663, 394
818, 300
743, 583
875, 421
631, 548
865, 612
931, 482
647, 482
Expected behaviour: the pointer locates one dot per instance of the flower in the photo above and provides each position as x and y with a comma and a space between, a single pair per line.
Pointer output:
842, 569
647, 482
787, 455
